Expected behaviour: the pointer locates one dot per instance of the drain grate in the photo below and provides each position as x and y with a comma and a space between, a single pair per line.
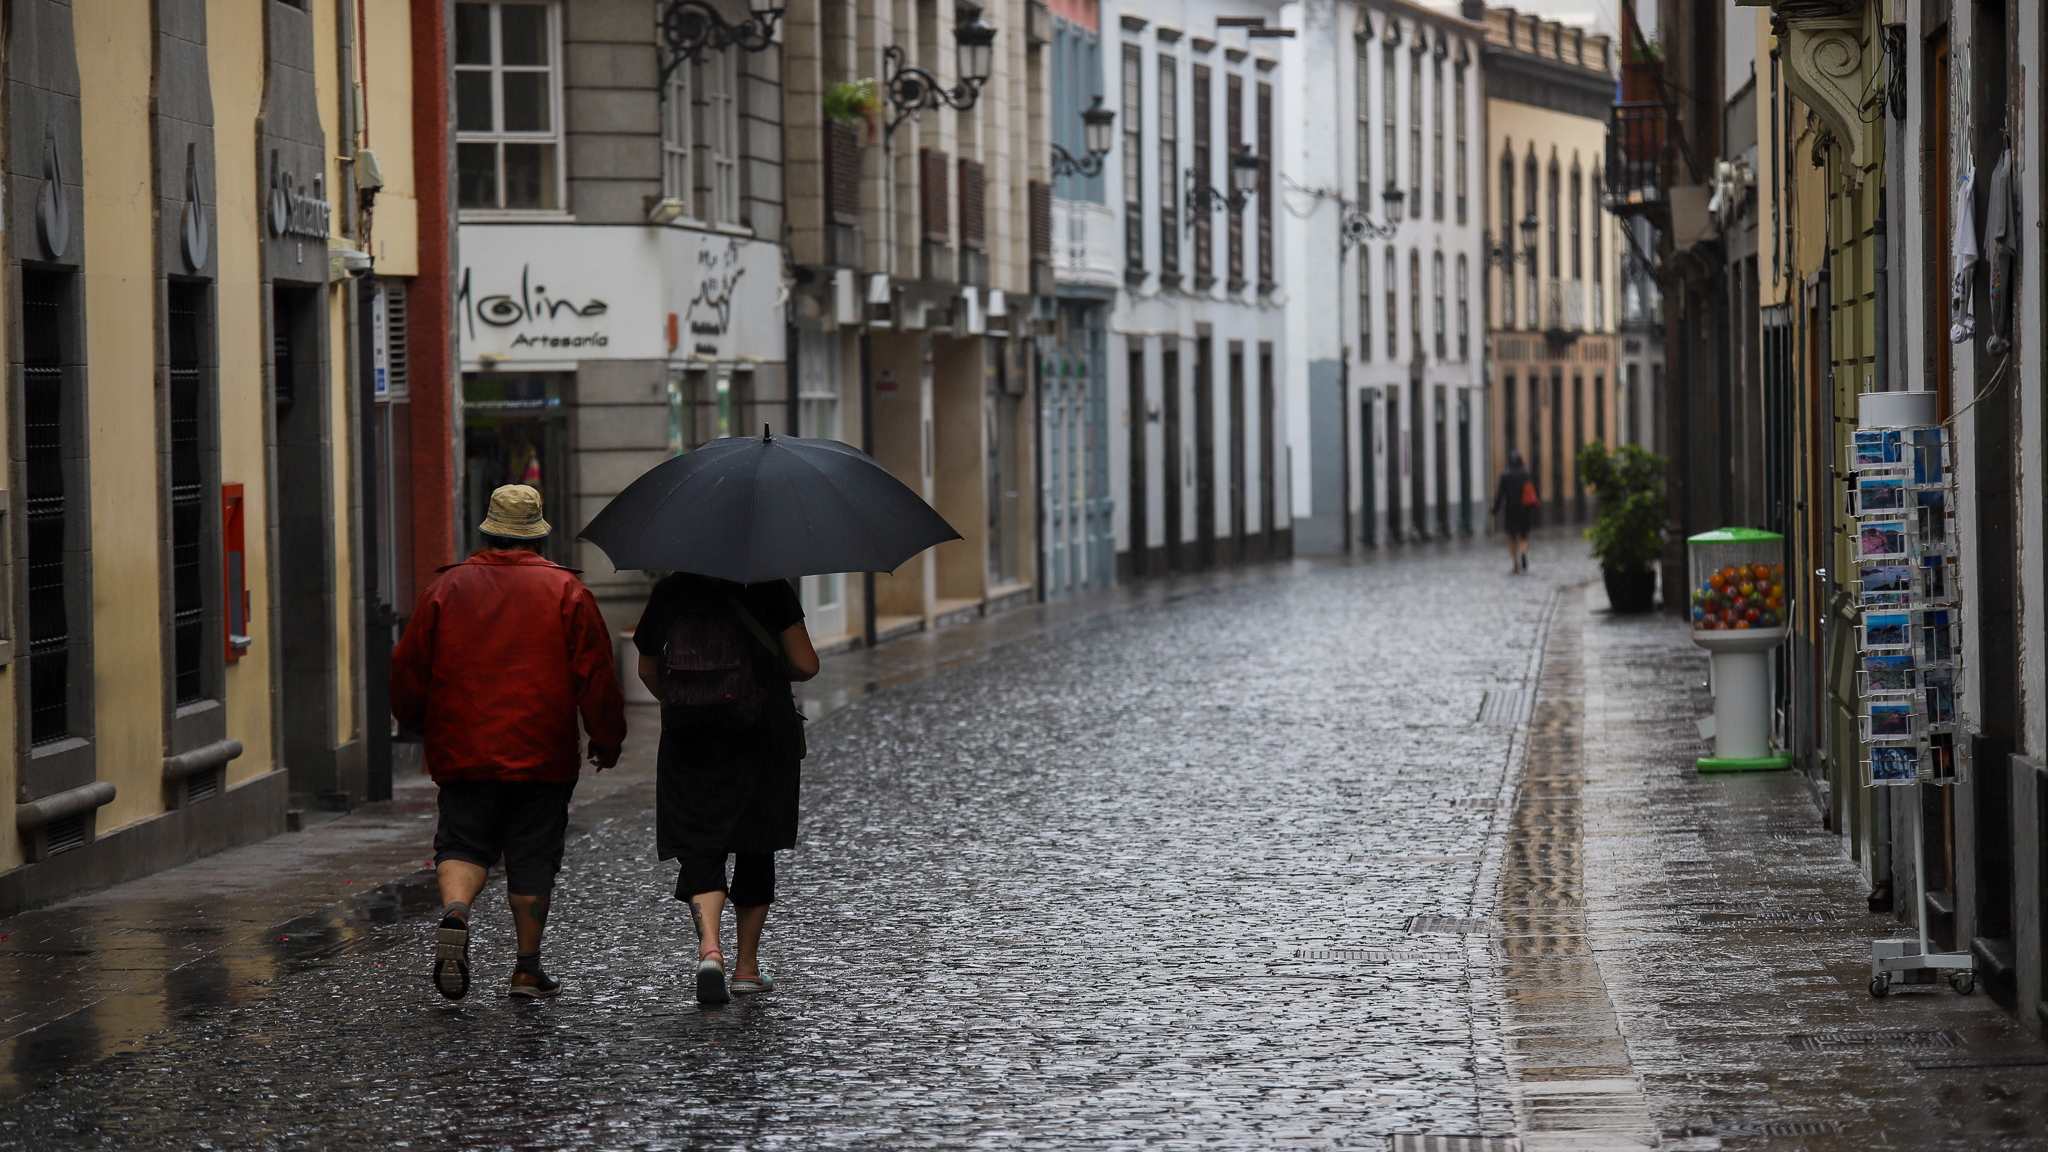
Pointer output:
1476, 803
1779, 1128
1851, 1040
1988, 1060
1358, 955
1504, 707
1445, 925
1419, 1142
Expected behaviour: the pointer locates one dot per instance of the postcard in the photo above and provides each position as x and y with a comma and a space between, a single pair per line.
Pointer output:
1941, 695
1879, 446
1880, 495
1937, 639
1884, 673
1887, 583
1887, 630
1928, 450
1890, 720
1894, 763
1882, 540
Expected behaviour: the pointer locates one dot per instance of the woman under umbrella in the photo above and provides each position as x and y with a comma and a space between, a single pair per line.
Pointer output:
726, 786
721, 641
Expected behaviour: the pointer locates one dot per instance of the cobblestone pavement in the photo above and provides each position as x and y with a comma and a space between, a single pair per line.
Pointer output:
1253, 866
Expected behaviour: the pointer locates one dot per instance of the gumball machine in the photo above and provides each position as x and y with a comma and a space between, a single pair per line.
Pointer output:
1739, 613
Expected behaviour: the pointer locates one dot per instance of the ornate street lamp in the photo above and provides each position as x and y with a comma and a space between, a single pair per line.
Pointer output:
1358, 227
1500, 255
1095, 137
690, 27
1244, 182
912, 89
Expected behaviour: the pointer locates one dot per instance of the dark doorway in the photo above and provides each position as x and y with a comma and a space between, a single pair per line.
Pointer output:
1557, 445
1175, 477
1465, 461
1578, 445
1393, 433
1535, 460
1269, 419
1205, 450
1140, 419
515, 430
1238, 428
1443, 464
1418, 496
1368, 500
305, 543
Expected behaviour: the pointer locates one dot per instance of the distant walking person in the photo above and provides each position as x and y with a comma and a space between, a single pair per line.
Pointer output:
1514, 505
720, 657
503, 653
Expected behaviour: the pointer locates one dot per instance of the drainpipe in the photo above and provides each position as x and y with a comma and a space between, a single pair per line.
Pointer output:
867, 445
1038, 454
792, 365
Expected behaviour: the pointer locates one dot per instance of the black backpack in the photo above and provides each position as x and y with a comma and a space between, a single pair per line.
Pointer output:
711, 671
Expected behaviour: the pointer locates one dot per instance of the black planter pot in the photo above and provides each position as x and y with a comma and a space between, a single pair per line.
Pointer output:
1630, 592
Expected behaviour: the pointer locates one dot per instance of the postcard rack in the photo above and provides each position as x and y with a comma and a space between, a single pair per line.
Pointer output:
1909, 652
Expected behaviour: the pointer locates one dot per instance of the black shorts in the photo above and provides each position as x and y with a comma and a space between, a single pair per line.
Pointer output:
524, 822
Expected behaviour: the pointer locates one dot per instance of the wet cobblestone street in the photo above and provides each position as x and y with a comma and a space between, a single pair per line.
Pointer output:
1253, 867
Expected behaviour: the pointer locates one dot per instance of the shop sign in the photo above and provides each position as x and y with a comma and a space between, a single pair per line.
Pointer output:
528, 318
298, 206
556, 293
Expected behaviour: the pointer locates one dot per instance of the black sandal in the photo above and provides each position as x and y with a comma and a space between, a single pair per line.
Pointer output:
451, 958
711, 980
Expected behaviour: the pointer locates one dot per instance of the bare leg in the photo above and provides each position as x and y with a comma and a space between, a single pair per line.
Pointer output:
750, 922
707, 907
530, 920
460, 881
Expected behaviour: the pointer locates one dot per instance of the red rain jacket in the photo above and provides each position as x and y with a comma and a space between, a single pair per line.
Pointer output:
504, 651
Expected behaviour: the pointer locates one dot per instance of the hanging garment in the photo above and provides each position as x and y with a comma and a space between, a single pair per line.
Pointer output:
1963, 259
2000, 215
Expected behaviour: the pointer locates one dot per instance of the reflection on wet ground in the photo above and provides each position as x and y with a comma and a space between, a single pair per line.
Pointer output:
1272, 859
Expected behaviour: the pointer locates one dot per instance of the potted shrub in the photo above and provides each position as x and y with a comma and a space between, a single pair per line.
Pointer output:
1628, 531
855, 102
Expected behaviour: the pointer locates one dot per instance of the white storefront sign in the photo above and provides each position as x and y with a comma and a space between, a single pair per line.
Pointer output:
556, 293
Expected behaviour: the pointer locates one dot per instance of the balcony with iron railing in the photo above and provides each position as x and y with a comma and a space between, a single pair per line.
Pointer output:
1564, 309
1636, 135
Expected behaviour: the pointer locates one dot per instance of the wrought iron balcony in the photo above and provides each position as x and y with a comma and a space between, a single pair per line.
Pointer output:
1636, 135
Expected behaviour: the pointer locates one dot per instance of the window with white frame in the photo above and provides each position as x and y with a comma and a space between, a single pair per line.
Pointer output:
1393, 283
1365, 304
1458, 133
1464, 308
508, 139
1415, 129
718, 137
1436, 285
1436, 143
1362, 113
1387, 127
678, 139
1599, 257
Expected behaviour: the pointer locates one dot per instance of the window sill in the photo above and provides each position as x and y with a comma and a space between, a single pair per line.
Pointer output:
514, 216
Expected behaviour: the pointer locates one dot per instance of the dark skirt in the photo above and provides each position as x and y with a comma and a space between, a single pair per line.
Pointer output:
717, 791
1516, 518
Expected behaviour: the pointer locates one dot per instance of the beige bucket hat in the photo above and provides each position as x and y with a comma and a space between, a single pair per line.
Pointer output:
515, 514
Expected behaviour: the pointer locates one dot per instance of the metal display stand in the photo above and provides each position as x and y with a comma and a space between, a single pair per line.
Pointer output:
1910, 651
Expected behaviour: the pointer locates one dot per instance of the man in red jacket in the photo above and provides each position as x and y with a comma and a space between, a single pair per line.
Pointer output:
504, 651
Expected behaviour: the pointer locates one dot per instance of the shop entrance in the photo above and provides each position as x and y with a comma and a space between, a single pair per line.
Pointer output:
1465, 461
515, 430
1174, 478
1239, 427
1368, 476
1137, 421
1443, 465
303, 506
1393, 464
1205, 452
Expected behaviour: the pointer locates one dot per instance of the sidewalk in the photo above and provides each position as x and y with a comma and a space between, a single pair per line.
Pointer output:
1683, 959
96, 975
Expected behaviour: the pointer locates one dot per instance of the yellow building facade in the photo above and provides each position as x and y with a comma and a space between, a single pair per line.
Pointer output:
187, 205
1554, 254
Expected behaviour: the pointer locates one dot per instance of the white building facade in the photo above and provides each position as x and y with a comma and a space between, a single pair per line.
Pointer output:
1197, 347
1390, 387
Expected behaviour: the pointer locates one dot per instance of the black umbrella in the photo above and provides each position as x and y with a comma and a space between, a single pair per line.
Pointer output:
770, 508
